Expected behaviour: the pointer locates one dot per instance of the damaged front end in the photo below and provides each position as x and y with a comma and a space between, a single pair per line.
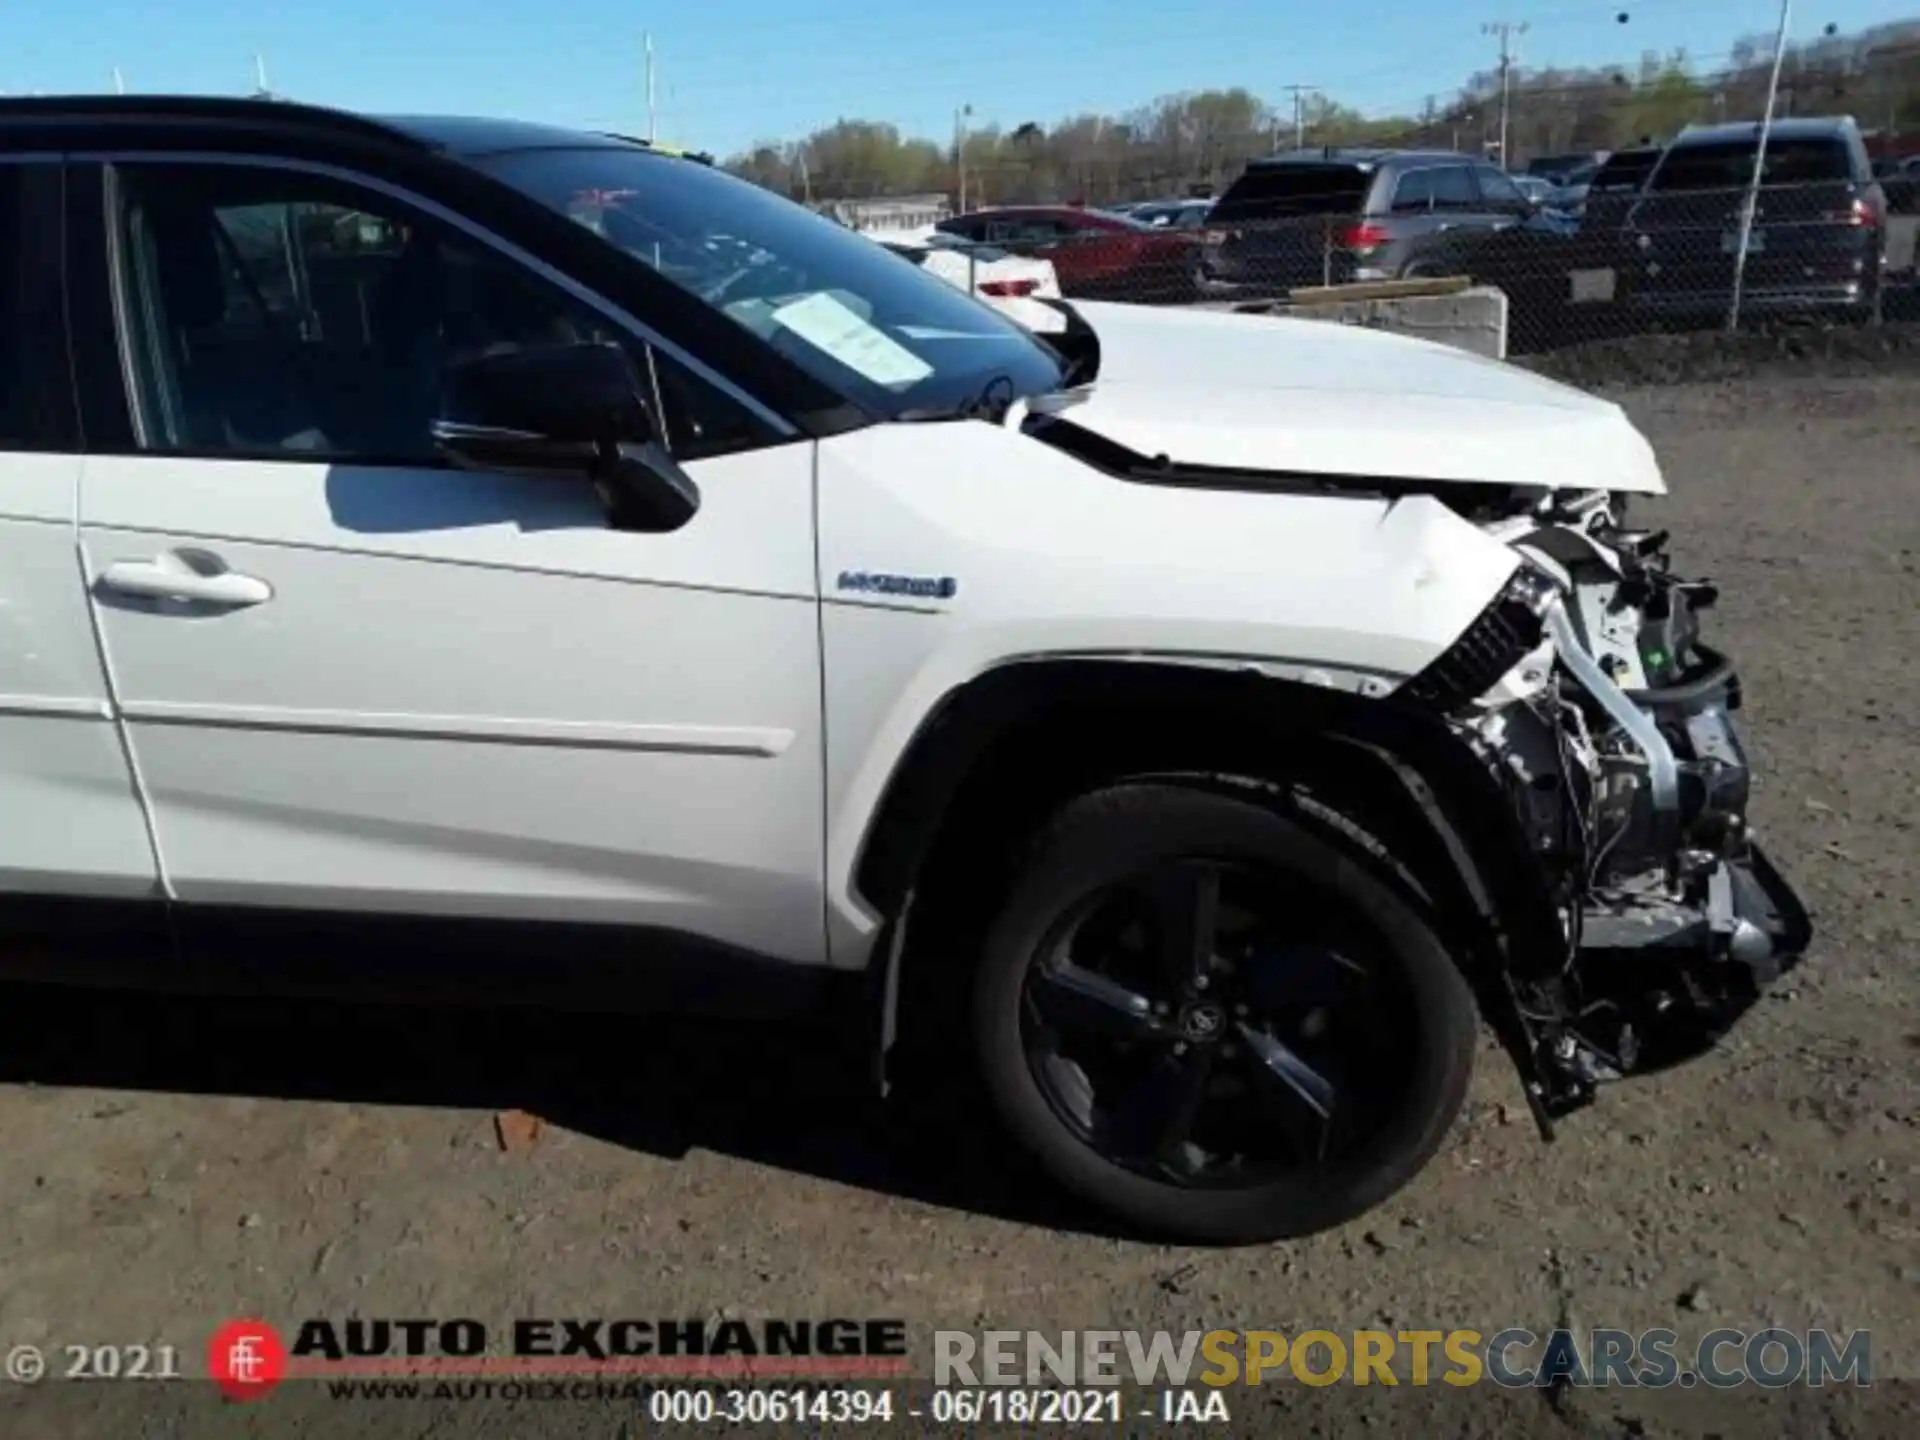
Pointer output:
1610, 726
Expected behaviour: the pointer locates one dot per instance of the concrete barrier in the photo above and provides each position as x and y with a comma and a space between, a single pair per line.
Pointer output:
1450, 312
1902, 233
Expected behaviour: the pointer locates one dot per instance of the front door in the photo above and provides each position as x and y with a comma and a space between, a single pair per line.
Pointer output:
355, 678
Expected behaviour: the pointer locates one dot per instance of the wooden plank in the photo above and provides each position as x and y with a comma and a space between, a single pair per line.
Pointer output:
1380, 290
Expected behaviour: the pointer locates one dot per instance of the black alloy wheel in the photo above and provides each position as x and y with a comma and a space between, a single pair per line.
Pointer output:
1211, 1020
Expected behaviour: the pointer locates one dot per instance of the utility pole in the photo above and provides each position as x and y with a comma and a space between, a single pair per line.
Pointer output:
960, 115
1751, 200
260, 90
119, 82
653, 109
1300, 93
1506, 31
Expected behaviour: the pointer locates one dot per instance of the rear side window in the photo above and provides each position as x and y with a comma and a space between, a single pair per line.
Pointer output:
1729, 166
10, 297
1413, 193
1023, 230
1274, 191
1453, 189
34, 392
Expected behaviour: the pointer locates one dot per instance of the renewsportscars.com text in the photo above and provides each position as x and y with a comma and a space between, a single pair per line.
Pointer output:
1512, 1357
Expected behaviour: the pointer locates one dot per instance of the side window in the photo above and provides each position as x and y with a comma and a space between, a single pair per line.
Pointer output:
1039, 231
1453, 189
35, 391
12, 290
1499, 192
276, 313
1413, 193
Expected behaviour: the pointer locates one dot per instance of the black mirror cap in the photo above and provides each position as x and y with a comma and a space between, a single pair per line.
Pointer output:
566, 412
586, 395
645, 490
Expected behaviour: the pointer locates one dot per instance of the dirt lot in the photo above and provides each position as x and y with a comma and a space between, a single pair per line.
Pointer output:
169, 1165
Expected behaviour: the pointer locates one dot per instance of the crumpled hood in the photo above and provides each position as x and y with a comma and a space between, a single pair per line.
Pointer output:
1257, 392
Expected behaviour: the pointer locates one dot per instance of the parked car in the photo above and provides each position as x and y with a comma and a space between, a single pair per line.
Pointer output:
1096, 254
1563, 281
1327, 217
1563, 169
1013, 284
1537, 189
1192, 723
1174, 214
1818, 233
1603, 198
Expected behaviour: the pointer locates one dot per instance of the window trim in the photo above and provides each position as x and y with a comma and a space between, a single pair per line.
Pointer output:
110, 163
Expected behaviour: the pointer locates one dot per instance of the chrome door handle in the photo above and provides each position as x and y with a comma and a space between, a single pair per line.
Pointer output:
192, 575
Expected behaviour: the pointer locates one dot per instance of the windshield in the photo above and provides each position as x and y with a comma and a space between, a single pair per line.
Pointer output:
897, 341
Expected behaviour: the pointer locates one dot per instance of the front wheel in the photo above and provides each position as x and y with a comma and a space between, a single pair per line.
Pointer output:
1213, 1023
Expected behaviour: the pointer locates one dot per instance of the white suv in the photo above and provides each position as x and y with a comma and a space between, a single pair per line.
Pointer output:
598, 575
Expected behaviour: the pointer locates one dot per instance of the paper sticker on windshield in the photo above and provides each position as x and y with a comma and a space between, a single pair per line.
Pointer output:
828, 325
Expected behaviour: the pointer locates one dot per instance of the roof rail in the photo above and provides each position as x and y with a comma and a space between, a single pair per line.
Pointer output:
196, 107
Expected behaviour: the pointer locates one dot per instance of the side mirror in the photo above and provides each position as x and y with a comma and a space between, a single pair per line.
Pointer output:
565, 412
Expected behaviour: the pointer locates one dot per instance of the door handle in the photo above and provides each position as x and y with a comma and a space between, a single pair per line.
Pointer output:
197, 576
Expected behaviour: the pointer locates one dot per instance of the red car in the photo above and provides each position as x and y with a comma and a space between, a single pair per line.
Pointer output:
1096, 255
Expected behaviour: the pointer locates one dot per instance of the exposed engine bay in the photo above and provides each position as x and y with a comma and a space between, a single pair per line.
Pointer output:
1611, 726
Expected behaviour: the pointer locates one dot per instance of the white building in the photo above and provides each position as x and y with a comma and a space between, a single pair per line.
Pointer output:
890, 214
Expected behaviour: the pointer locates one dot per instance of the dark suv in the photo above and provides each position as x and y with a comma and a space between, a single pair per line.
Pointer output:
1818, 236
1326, 217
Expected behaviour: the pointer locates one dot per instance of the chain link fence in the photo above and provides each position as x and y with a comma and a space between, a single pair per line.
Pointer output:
1684, 258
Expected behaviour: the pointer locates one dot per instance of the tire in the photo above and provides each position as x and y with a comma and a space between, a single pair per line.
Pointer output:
1385, 1071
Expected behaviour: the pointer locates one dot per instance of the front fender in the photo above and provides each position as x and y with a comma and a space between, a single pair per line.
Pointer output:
950, 552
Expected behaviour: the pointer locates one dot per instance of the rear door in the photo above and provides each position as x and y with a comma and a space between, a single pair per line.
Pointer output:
73, 821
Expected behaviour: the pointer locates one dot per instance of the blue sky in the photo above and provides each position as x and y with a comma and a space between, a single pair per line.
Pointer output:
730, 71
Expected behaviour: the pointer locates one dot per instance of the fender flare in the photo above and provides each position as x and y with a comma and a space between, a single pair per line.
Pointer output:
1444, 816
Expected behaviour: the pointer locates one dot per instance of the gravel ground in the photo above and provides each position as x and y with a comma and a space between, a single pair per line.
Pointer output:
171, 1164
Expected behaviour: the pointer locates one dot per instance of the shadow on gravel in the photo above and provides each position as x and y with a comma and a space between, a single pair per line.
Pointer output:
780, 1095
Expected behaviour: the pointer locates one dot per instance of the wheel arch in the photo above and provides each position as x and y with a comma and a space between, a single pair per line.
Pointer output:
1002, 751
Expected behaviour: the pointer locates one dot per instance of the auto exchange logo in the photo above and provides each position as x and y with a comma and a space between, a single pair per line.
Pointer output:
248, 1359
